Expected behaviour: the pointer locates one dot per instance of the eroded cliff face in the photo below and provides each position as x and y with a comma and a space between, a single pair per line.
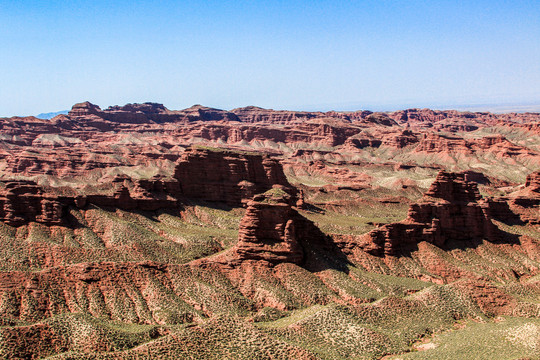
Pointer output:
268, 231
273, 231
532, 183
526, 202
148, 113
451, 210
23, 201
229, 177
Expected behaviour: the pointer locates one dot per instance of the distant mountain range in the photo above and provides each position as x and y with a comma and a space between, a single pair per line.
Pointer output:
50, 115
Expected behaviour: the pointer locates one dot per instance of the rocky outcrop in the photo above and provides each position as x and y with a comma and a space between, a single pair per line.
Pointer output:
455, 125
254, 114
67, 162
23, 201
273, 232
203, 113
451, 210
525, 203
398, 141
84, 109
229, 177
318, 131
453, 188
149, 113
498, 145
435, 143
532, 183
129, 113
142, 194
360, 142
212, 175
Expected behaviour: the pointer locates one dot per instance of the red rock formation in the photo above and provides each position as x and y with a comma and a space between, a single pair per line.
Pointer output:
84, 109
532, 183
149, 113
379, 119
321, 130
455, 125
226, 176
496, 144
435, 143
453, 188
24, 201
268, 231
360, 142
219, 176
398, 141
451, 210
272, 232
58, 162
148, 194
525, 203
254, 114
203, 113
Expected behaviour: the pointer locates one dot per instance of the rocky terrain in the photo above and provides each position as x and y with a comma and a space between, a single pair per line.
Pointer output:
139, 232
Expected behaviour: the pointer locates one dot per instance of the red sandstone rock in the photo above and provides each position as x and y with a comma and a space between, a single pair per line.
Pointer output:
220, 176
465, 121
525, 203
401, 140
533, 182
83, 109
24, 201
434, 143
268, 231
203, 113
229, 177
254, 114
272, 232
450, 211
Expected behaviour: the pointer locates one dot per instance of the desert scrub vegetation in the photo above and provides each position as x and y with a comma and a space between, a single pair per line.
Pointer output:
356, 219
101, 235
387, 284
220, 338
75, 332
348, 289
303, 284
371, 330
210, 292
331, 332
502, 338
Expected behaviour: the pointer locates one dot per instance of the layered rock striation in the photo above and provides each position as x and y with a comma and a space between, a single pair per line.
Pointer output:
228, 177
233, 178
23, 201
526, 202
451, 210
273, 232
532, 183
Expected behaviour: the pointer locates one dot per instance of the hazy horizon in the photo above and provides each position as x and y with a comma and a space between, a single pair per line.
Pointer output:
295, 55
493, 108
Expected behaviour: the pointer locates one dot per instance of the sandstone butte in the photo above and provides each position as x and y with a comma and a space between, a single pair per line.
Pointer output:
142, 232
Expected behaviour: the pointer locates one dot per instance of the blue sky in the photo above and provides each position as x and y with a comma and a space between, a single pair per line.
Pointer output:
312, 55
